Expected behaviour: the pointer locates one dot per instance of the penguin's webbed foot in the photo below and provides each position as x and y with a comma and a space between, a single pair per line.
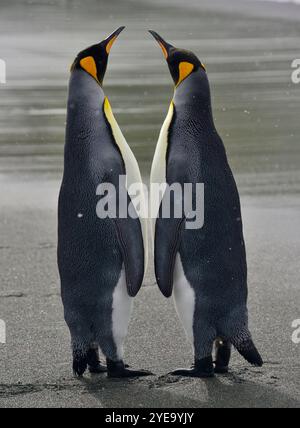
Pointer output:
201, 369
94, 364
117, 369
221, 369
97, 368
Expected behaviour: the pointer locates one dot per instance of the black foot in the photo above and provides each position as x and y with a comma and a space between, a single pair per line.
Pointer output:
119, 370
94, 364
98, 368
223, 354
202, 369
221, 369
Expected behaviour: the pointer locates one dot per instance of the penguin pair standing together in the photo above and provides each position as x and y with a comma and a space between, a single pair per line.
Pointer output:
102, 261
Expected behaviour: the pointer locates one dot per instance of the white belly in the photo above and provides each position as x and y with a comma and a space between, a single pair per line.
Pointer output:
121, 312
133, 176
184, 297
159, 167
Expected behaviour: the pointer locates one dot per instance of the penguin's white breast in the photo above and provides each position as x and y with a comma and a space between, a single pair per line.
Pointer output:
185, 299
184, 294
159, 166
133, 175
121, 312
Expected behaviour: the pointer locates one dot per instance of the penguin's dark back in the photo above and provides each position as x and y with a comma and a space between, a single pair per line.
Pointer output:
90, 156
89, 140
196, 154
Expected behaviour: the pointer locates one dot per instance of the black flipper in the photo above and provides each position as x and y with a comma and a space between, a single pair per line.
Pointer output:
169, 230
167, 240
130, 237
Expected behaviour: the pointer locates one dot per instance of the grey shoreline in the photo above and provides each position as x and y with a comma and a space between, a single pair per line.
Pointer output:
35, 366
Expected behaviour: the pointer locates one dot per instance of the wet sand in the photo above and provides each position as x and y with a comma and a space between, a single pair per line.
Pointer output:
35, 368
248, 50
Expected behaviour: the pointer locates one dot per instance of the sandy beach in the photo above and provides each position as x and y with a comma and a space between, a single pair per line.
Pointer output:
248, 47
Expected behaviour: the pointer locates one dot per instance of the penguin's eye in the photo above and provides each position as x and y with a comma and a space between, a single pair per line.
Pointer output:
185, 69
89, 65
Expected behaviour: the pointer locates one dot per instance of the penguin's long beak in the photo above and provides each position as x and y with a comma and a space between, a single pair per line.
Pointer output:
165, 47
110, 40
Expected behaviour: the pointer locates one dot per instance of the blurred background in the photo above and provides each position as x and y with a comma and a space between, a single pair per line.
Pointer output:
248, 59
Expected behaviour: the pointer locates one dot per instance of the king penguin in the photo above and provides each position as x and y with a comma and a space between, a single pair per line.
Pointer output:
101, 260
204, 268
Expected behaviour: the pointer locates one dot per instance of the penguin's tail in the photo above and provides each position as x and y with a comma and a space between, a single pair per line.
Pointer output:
249, 351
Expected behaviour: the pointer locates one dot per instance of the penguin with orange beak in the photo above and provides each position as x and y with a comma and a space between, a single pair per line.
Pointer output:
101, 259
205, 269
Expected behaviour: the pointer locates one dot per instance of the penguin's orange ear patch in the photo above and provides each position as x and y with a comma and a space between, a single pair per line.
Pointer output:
89, 65
185, 69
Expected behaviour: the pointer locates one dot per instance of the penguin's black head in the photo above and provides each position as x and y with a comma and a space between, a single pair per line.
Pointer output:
94, 59
182, 63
